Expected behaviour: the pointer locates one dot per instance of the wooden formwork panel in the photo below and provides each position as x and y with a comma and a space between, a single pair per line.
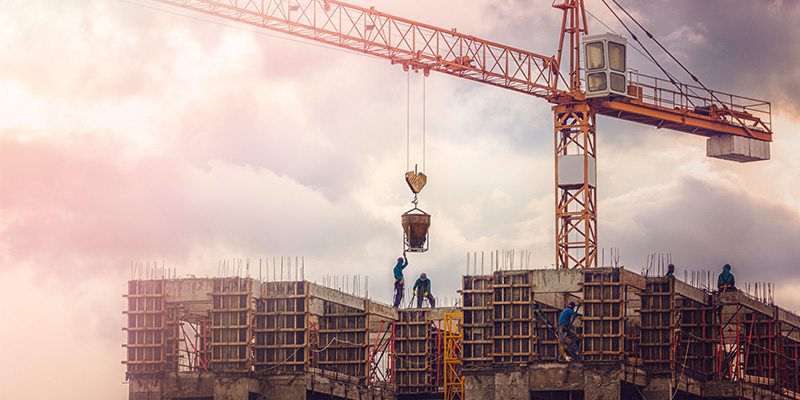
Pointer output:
146, 327
342, 337
546, 338
657, 324
476, 293
281, 328
513, 335
415, 352
699, 331
172, 335
790, 378
231, 312
764, 346
604, 315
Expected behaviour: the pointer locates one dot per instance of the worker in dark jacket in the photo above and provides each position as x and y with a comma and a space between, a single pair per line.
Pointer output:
422, 288
726, 282
670, 271
565, 332
399, 283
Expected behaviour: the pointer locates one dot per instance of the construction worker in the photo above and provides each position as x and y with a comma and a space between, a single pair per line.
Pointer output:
726, 282
399, 283
670, 271
566, 335
422, 288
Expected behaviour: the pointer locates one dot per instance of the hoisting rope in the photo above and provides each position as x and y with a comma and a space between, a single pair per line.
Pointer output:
415, 179
408, 121
423, 122
693, 76
636, 38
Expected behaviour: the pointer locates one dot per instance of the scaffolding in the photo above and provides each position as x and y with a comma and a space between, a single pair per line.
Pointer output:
453, 351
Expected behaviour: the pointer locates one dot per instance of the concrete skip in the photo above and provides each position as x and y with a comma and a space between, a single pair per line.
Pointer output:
737, 148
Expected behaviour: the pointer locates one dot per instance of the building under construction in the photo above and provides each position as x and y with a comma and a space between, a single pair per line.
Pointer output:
642, 338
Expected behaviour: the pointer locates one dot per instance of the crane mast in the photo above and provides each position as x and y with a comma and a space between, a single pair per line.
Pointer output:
738, 128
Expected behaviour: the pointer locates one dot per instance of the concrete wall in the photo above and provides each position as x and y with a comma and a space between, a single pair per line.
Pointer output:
479, 386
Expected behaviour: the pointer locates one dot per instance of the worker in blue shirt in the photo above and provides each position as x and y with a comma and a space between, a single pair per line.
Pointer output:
422, 288
565, 332
726, 282
399, 283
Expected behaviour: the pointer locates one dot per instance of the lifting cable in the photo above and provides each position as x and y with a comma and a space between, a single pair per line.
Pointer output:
423, 122
633, 45
633, 35
693, 76
408, 122
650, 35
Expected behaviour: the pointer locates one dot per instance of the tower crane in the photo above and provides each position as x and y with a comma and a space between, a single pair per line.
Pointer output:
737, 128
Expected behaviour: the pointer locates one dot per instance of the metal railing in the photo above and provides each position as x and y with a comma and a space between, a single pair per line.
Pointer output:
735, 109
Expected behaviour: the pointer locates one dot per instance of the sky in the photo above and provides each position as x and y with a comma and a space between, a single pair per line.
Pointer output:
131, 131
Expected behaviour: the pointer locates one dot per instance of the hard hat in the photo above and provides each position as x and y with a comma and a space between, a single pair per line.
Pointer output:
572, 304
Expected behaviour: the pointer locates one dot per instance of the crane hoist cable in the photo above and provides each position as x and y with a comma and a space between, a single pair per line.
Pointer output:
415, 222
634, 45
693, 76
636, 38
408, 121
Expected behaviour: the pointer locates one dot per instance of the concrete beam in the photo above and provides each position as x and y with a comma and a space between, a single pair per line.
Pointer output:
188, 290
556, 280
690, 292
738, 297
381, 310
437, 314
631, 278
332, 295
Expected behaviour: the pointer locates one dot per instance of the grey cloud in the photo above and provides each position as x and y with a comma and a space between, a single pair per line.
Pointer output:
705, 225
748, 48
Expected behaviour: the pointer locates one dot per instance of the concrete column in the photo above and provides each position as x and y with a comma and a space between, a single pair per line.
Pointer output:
512, 385
238, 389
286, 388
602, 384
479, 387
144, 389
658, 388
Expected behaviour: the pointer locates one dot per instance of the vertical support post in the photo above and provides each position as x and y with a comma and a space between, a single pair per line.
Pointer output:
575, 186
453, 339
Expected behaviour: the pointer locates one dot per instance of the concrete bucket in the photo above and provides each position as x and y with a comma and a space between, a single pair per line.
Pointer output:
415, 229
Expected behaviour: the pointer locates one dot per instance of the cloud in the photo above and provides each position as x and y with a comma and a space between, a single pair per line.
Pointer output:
709, 224
128, 133
739, 51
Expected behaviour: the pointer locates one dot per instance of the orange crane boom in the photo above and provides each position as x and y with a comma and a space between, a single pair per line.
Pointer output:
722, 117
